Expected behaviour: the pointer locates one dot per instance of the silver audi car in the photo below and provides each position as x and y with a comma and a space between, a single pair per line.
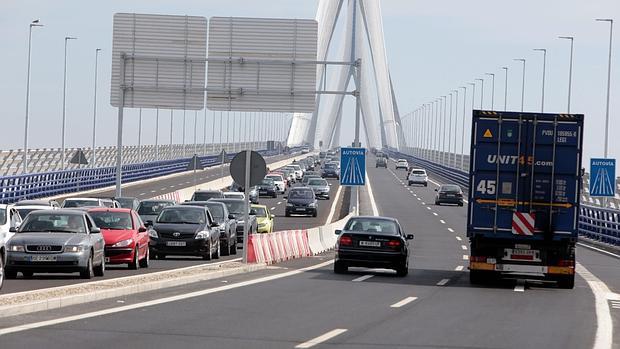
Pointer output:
56, 241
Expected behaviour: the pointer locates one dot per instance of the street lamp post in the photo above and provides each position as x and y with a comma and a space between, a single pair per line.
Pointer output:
611, 31
463, 130
450, 127
542, 100
171, 128
64, 104
157, 134
140, 135
505, 87
522, 82
94, 156
34, 23
492, 90
481, 92
443, 137
570, 68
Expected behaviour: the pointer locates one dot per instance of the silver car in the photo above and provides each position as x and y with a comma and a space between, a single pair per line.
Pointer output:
320, 187
56, 241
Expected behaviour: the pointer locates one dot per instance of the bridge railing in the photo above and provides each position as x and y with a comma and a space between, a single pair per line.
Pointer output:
48, 184
595, 223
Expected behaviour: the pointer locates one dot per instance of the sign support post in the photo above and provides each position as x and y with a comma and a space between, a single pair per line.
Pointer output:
119, 140
246, 217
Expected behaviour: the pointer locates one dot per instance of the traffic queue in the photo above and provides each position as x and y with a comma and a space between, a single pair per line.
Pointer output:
84, 234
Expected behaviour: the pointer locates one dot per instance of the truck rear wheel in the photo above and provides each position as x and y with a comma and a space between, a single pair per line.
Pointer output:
566, 282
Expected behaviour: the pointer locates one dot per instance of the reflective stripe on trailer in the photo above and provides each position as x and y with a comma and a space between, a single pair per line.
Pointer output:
523, 223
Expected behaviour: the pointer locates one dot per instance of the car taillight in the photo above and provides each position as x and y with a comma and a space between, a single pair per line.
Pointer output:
393, 243
566, 263
345, 241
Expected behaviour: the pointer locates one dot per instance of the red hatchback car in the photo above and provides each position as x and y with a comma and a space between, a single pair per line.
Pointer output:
126, 237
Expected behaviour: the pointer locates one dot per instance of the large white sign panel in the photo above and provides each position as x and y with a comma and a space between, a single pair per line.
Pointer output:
251, 64
165, 64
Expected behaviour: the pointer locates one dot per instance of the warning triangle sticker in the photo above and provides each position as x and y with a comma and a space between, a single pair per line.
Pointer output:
487, 134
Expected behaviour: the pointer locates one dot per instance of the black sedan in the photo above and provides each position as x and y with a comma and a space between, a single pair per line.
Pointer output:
449, 194
301, 200
186, 231
372, 242
330, 170
268, 188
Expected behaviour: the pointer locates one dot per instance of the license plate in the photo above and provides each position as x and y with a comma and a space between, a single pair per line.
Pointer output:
300, 209
370, 243
450, 195
175, 243
523, 255
43, 259
263, 192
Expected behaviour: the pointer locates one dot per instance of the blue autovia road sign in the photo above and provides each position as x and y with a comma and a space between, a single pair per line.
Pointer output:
602, 177
352, 166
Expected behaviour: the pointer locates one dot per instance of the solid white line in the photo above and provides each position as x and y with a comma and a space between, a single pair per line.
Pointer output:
459, 238
604, 324
442, 221
330, 217
463, 247
403, 302
459, 268
320, 339
362, 278
465, 257
598, 250
93, 314
443, 282
435, 213
373, 203
451, 230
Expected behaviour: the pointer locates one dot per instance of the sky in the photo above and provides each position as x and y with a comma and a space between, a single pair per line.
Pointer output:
433, 47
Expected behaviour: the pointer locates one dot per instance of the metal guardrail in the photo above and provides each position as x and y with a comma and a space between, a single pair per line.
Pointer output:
39, 185
595, 223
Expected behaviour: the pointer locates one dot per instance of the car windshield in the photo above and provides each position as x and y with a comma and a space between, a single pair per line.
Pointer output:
3, 216
267, 181
317, 182
186, 215
418, 172
112, 220
126, 202
23, 212
301, 194
450, 188
204, 196
80, 203
152, 207
260, 211
330, 166
275, 178
371, 225
54, 223
232, 194
234, 207
217, 211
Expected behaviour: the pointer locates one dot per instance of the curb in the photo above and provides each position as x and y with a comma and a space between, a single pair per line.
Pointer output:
64, 301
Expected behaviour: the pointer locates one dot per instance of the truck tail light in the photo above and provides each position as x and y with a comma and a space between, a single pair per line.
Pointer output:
482, 259
566, 263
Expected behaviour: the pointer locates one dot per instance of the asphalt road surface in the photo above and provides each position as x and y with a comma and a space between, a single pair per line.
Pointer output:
303, 304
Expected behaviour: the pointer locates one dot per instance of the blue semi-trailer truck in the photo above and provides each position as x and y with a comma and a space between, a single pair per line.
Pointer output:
524, 189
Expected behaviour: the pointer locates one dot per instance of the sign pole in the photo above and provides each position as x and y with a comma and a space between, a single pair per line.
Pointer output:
246, 218
119, 141
358, 67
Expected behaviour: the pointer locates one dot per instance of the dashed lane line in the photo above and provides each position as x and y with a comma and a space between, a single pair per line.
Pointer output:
362, 278
428, 208
458, 238
273, 208
435, 214
451, 230
463, 247
403, 302
442, 221
465, 257
459, 268
322, 338
443, 282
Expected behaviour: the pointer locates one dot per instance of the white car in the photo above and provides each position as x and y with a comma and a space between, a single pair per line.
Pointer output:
402, 163
9, 218
90, 202
25, 209
278, 180
417, 176
299, 173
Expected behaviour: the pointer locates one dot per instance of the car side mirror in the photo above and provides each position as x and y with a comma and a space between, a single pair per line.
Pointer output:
285, 197
95, 230
409, 237
252, 212
273, 216
214, 224
231, 216
142, 230
338, 231
148, 223
13, 230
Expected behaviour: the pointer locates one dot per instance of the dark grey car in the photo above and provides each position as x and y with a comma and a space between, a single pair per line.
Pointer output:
56, 241
227, 224
320, 187
150, 209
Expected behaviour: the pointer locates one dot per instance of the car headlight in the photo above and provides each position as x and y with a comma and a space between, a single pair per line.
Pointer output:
123, 243
202, 235
312, 204
288, 204
16, 248
153, 234
74, 248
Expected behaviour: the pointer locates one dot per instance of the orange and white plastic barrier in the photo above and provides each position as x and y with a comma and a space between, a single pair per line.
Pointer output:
175, 195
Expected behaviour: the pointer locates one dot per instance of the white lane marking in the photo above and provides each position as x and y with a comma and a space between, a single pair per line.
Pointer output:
188, 182
373, 203
279, 202
172, 186
443, 282
152, 191
442, 221
142, 194
273, 208
435, 214
463, 247
323, 338
332, 210
615, 304
598, 250
451, 230
114, 310
428, 208
458, 238
415, 194
162, 189
602, 293
459, 268
465, 257
519, 288
362, 278
423, 203
403, 302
